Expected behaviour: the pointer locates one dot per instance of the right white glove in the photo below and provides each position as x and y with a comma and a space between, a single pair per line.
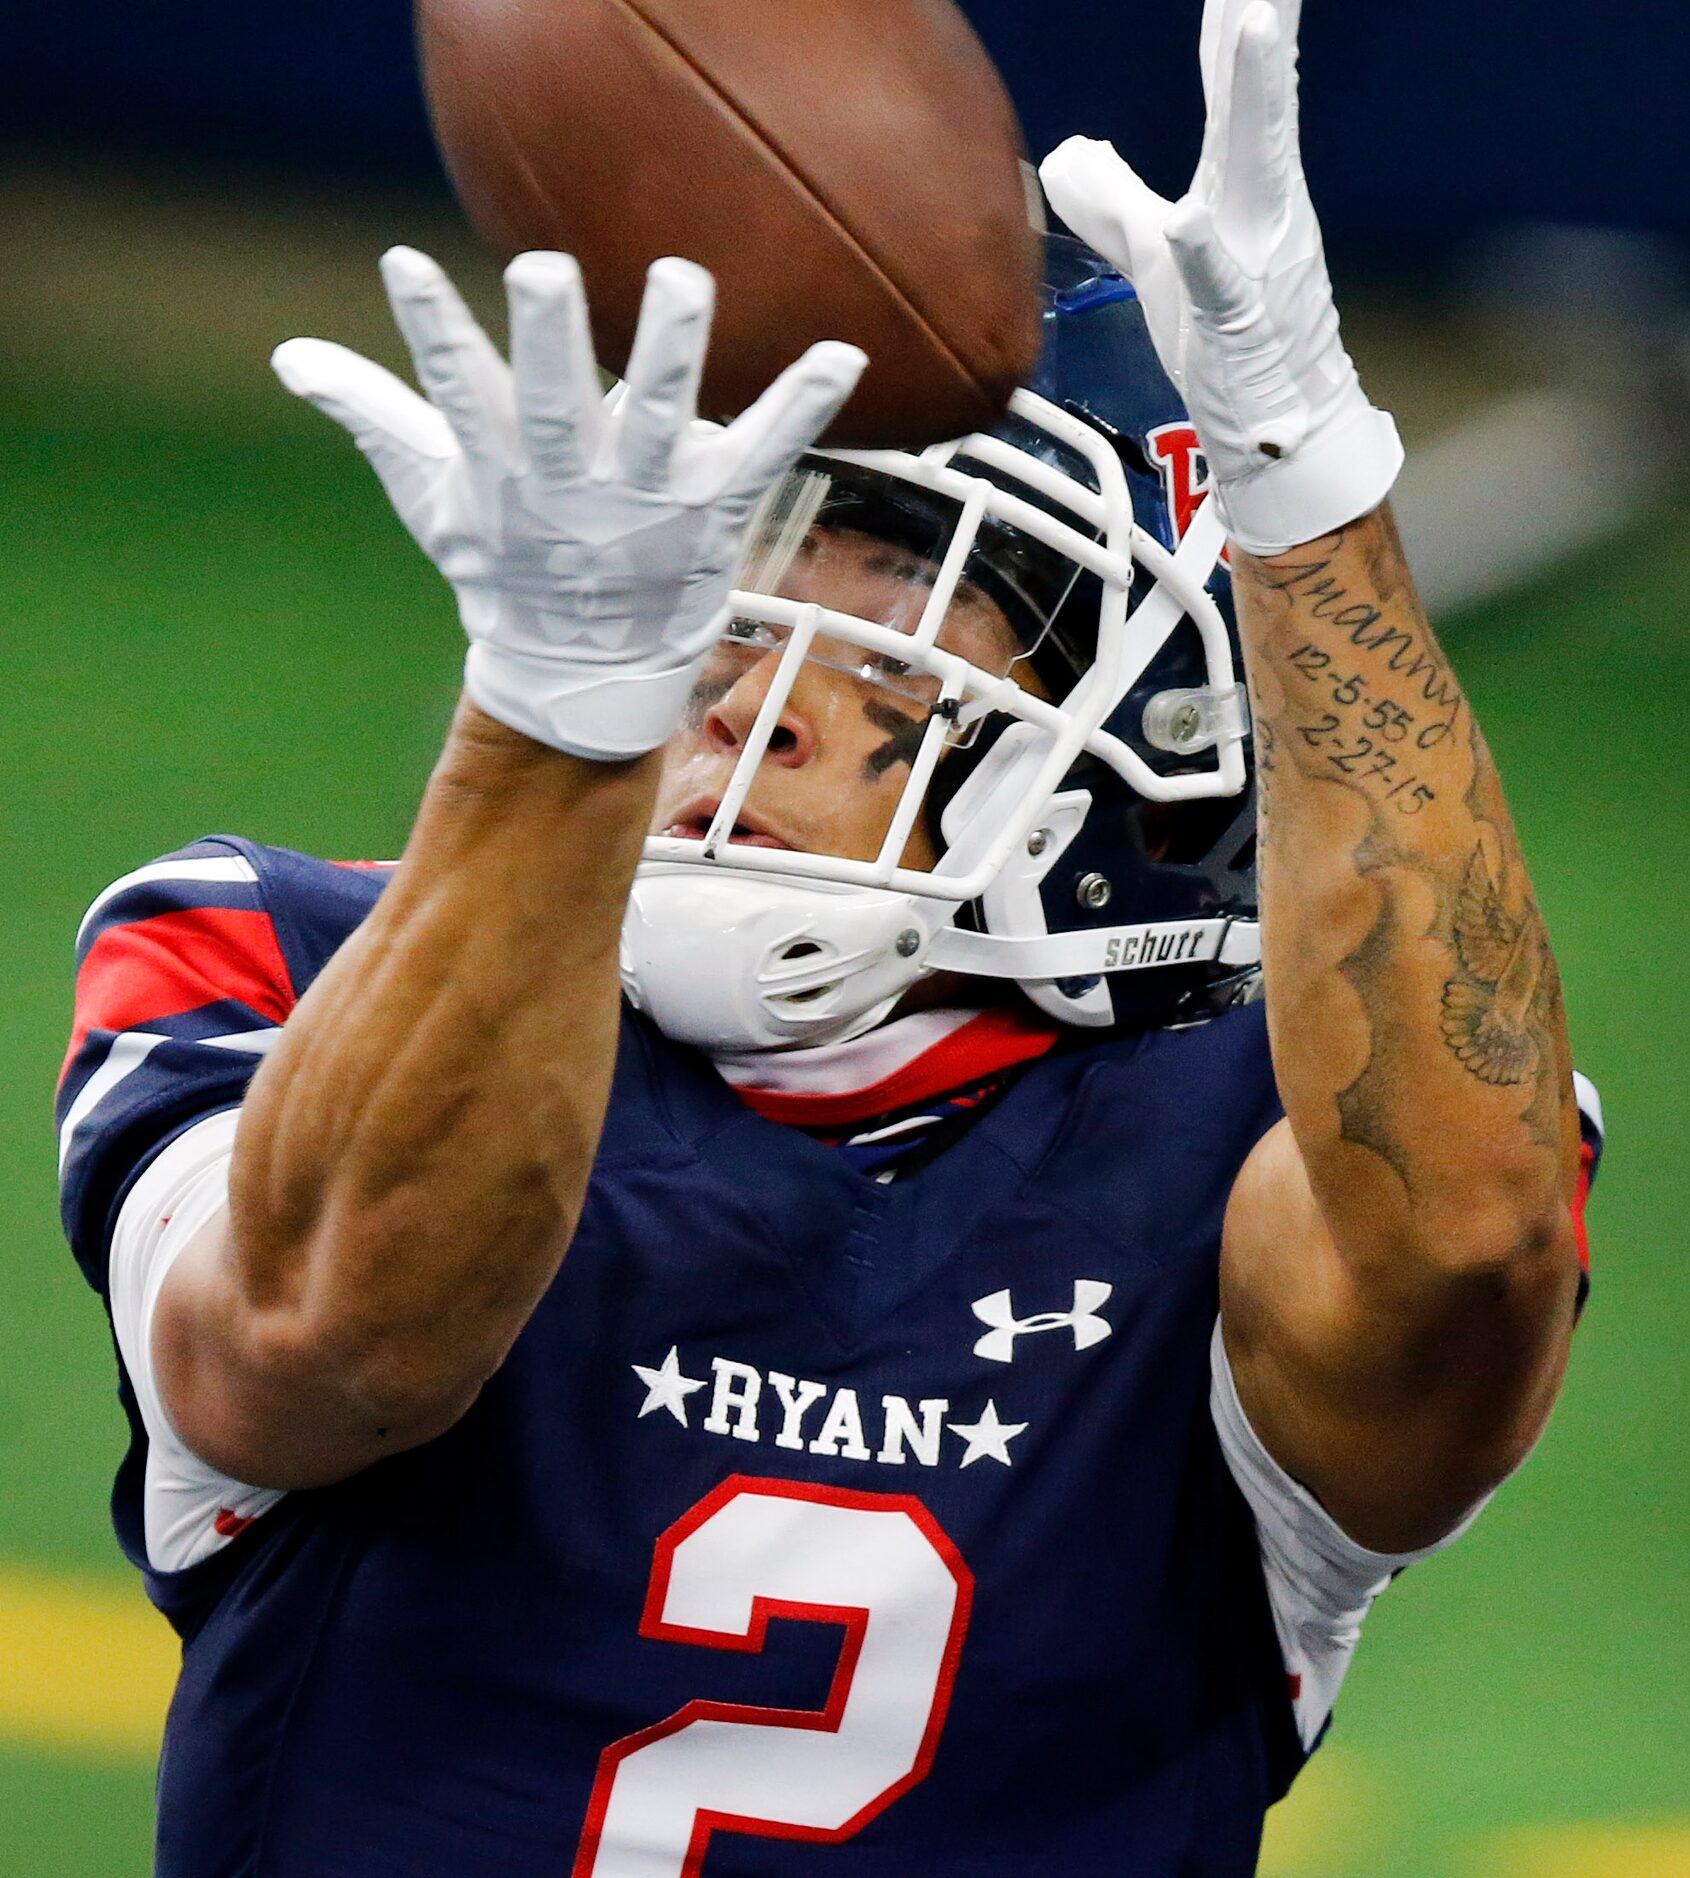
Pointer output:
592, 541
1235, 292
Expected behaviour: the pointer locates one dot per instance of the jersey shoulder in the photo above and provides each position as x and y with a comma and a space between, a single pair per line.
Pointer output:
186, 969
1208, 1086
1592, 1124
284, 910
1592, 1135
1190, 1104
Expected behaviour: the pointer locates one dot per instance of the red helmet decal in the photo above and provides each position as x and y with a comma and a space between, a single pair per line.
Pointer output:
1185, 473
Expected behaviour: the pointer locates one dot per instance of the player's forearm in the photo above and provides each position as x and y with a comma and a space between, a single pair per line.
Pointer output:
412, 1159
1418, 1033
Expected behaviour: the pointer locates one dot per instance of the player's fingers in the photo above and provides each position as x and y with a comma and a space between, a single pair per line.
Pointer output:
1221, 21
1109, 206
1220, 18
559, 399
1254, 150
457, 365
765, 441
1214, 282
660, 394
1106, 203
398, 431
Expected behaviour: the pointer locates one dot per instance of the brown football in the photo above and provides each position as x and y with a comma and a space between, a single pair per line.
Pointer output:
847, 169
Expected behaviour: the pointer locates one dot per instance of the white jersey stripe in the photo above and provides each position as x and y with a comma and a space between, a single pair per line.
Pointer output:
189, 1509
233, 868
1590, 1103
127, 1054
834, 1069
1320, 1583
250, 1042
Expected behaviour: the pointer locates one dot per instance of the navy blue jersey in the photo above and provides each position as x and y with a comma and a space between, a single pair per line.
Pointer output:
812, 1525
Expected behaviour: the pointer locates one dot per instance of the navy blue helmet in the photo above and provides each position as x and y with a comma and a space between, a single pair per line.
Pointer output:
1163, 861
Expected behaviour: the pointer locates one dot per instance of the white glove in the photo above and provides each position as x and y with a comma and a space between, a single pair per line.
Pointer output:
592, 541
1235, 291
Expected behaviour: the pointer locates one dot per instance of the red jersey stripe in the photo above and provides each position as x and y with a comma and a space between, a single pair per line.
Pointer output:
156, 968
1587, 1164
994, 1041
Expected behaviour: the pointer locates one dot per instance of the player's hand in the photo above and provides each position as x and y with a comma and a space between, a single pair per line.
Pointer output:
592, 541
1235, 291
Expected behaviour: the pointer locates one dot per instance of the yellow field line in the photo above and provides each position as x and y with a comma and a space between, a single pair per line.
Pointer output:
1333, 1821
86, 1665
1600, 1850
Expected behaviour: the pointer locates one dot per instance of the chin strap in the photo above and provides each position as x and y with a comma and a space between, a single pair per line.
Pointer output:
1096, 952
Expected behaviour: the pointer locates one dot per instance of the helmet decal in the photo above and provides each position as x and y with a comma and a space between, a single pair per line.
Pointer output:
1174, 449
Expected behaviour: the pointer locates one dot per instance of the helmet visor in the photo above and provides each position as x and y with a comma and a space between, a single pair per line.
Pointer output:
867, 644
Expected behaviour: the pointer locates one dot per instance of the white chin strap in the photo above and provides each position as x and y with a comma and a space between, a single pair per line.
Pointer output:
732, 962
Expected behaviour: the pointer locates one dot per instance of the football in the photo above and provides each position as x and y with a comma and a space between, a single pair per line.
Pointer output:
849, 170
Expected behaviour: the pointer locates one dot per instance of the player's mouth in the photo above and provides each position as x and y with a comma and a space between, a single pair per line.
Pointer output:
694, 825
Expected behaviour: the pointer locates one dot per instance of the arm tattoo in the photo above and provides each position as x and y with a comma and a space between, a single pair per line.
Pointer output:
1492, 1005
1360, 697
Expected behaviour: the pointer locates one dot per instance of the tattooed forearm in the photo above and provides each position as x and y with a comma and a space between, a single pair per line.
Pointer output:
1380, 799
1400, 1267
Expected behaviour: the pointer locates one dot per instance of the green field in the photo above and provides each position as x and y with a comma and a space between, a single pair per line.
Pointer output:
211, 622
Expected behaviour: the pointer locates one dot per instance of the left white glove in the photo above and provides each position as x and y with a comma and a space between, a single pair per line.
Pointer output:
1235, 291
592, 541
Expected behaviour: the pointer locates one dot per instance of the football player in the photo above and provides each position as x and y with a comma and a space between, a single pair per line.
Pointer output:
932, 1379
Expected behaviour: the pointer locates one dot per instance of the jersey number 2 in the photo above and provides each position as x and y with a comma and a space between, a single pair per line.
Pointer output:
878, 1564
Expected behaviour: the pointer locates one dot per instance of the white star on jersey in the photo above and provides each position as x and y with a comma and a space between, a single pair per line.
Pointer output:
666, 1388
988, 1436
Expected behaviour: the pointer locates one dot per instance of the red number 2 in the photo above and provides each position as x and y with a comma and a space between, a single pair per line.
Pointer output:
878, 1564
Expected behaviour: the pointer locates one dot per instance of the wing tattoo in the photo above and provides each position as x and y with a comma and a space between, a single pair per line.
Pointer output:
1495, 1007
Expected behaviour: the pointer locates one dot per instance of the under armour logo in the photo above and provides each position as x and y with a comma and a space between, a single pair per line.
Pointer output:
998, 1344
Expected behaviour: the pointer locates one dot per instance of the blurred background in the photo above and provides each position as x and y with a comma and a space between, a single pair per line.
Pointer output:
211, 622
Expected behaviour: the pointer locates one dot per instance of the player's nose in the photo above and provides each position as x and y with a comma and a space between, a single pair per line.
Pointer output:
729, 722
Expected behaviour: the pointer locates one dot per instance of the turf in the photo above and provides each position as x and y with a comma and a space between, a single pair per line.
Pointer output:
216, 625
